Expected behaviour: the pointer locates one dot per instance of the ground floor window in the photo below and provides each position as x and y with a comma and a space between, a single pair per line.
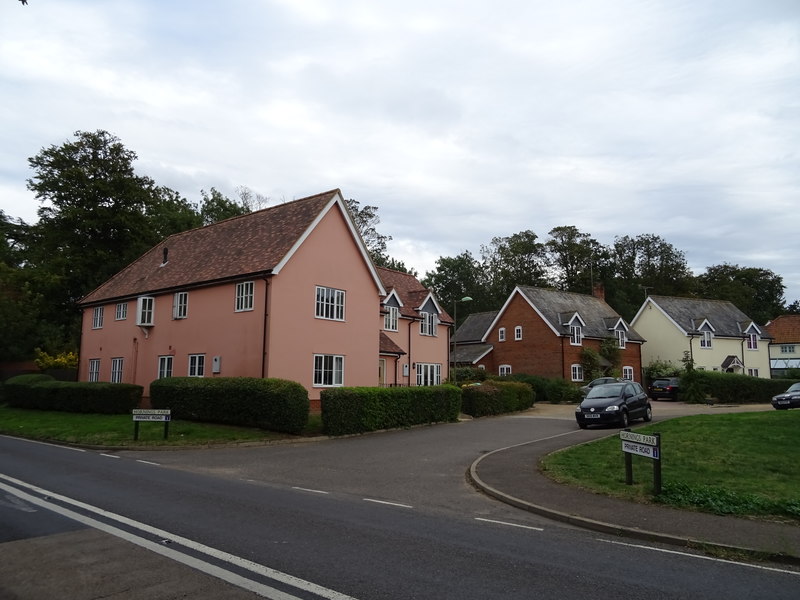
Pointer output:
577, 372
94, 369
116, 370
752, 372
505, 369
164, 366
197, 365
627, 373
328, 370
429, 374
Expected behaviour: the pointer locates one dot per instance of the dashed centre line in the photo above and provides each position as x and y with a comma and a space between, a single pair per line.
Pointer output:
389, 503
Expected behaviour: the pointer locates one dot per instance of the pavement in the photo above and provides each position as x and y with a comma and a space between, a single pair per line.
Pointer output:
512, 476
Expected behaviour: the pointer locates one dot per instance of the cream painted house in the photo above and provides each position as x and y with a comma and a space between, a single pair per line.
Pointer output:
288, 292
715, 334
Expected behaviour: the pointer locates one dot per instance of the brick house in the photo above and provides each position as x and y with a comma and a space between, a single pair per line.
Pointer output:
784, 348
544, 332
289, 292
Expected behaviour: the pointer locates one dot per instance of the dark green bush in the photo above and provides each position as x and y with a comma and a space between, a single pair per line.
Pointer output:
361, 409
546, 389
42, 392
272, 404
496, 397
729, 388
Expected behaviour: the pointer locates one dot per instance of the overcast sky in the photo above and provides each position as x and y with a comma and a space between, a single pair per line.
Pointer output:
460, 121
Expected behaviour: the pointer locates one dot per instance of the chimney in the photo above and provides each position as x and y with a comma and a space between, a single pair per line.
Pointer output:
599, 291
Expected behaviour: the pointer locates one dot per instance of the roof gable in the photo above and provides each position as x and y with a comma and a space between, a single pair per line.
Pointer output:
689, 315
256, 244
410, 294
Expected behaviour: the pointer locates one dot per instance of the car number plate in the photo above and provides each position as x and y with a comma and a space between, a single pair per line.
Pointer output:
783, 402
657, 389
591, 415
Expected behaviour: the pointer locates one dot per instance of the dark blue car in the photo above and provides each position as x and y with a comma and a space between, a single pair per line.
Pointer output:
614, 403
788, 399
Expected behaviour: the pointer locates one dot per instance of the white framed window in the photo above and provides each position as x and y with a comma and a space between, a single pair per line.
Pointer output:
577, 372
329, 304
482, 367
197, 365
145, 310
328, 370
428, 324
622, 338
429, 374
164, 366
244, 296
94, 369
390, 318
97, 317
575, 338
116, 369
705, 339
501, 334
787, 349
505, 370
180, 305
752, 372
752, 341
122, 311
627, 373
518, 333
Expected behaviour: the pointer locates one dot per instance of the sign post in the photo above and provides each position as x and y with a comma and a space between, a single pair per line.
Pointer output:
643, 445
151, 414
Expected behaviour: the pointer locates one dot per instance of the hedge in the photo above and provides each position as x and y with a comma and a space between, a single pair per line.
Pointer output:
42, 392
730, 388
361, 409
496, 397
272, 404
548, 389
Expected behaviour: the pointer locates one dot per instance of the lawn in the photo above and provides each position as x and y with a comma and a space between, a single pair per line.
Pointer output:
117, 430
742, 464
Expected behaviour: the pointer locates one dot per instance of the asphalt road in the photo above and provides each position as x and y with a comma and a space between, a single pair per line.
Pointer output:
379, 516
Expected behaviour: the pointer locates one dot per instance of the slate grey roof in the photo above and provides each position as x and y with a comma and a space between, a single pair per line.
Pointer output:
469, 353
474, 327
558, 308
690, 313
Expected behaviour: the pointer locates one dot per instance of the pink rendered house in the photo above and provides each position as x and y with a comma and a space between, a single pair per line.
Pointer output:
287, 292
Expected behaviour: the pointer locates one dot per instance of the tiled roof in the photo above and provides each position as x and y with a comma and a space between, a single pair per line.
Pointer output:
250, 244
689, 313
557, 307
785, 329
474, 327
410, 291
387, 346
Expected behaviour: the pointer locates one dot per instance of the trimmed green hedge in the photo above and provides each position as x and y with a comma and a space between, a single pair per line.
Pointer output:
42, 392
272, 404
548, 389
361, 409
496, 397
730, 388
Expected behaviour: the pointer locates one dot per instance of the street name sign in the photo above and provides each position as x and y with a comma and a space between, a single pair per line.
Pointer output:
146, 414
641, 449
639, 438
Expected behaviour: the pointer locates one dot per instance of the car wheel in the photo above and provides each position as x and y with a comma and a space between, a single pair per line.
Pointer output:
623, 419
648, 414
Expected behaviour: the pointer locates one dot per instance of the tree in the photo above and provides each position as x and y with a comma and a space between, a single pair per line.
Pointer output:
457, 277
571, 258
756, 292
507, 262
217, 207
96, 216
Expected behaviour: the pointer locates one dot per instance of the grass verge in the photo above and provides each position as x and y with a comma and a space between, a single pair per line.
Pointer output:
739, 464
117, 430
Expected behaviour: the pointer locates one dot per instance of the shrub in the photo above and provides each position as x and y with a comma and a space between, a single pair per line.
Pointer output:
552, 390
272, 404
42, 392
496, 397
361, 409
729, 388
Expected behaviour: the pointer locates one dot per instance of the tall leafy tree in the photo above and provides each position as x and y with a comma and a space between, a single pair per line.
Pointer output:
572, 257
759, 293
518, 259
456, 277
217, 207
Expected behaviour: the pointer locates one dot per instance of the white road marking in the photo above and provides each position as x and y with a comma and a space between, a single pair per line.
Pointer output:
232, 559
509, 524
16, 439
385, 502
147, 462
701, 557
109, 455
302, 489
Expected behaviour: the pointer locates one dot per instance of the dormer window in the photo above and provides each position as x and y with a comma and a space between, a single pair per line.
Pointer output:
752, 341
622, 338
705, 339
575, 335
428, 324
390, 318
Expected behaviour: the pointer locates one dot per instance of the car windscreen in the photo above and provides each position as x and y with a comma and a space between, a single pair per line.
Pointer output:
609, 390
795, 387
